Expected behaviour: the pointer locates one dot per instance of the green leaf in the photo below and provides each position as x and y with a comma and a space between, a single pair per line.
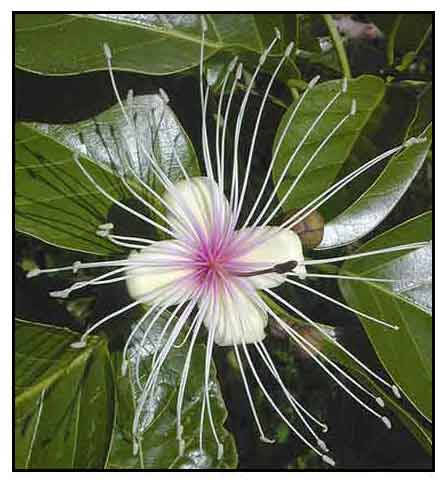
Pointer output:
406, 353
368, 92
374, 205
55, 201
410, 420
155, 44
65, 400
159, 446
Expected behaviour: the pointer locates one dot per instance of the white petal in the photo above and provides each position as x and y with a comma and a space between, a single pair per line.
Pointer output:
278, 248
148, 278
238, 318
200, 201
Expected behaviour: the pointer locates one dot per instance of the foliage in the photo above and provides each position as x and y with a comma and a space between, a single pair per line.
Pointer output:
74, 409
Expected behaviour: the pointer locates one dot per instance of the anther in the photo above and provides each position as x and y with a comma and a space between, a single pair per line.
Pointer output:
77, 345
232, 64
106, 226
107, 51
267, 440
124, 366
277, 33
313, 82
220, 451
203, 23
289, 49
353, 107
387, 422
322, 445
396, 391
33, 273
76, 266
135, 446
328, 460
324, 428
181, 447
344, 85
380, 402
164, 96
239, 71
397, 328
414, 140
60, 293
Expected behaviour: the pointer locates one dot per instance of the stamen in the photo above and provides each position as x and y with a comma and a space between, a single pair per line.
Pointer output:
250, 399
370, 253
295, 152
332, 190
330, 338
346, 307
256, 128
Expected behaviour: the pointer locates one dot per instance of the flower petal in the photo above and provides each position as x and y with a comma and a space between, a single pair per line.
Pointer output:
239, 319
269, 249
157, 267
200, 203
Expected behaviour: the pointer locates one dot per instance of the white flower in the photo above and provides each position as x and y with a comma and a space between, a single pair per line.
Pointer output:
214, 266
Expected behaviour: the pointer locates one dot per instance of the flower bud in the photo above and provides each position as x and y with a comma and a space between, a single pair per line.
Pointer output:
310, 230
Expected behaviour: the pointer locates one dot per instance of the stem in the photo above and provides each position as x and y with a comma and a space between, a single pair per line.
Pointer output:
338, 43
392, 38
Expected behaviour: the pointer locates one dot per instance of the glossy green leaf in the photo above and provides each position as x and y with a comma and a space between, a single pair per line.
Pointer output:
56, 202
406, 353
156, 44
368, 92
374, 205
158, 448
410, 420
65, 400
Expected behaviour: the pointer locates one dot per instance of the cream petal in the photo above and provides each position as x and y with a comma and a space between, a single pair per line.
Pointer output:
238, 317
146, 279
199, 201
278, 248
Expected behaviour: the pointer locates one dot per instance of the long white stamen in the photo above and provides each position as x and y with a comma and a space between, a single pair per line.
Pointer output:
196, 324
134, 332
219, 160
331, 339
240, 119
203, 102
339, 303
305, 345
403, 247
77, 265
332, 190
256, 128
208, 357
161, 176
151, 384
278, 147
81, 343
279, 412
303, 170
82, 284
142, 350
263, 438
322, 425
294, 154
237, 77
352, 278
119, 203
263, 353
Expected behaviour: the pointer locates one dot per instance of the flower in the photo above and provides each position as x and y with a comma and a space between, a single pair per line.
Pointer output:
214, 269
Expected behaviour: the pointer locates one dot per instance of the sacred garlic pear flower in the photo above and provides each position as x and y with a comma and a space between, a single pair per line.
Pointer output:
213, 270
